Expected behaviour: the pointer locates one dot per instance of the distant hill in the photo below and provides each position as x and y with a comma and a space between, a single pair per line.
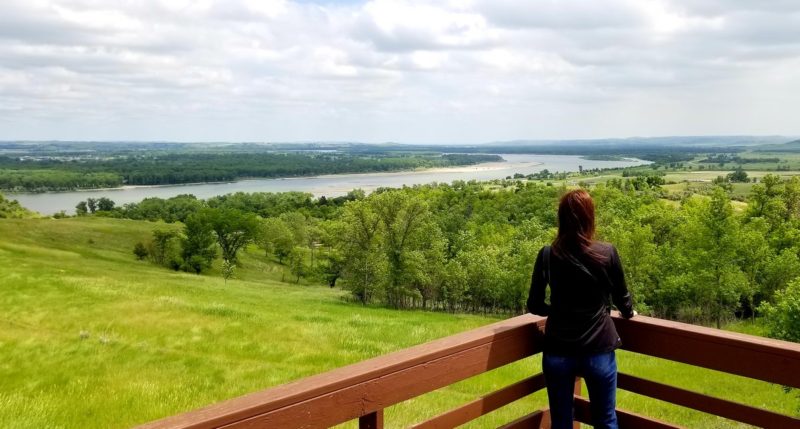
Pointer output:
792, 146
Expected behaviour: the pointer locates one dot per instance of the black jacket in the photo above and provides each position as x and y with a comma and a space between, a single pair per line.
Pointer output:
578, 319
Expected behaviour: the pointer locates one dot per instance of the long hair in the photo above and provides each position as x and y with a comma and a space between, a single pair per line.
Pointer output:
576, 228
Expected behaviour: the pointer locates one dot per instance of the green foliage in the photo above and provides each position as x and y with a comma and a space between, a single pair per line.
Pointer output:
154, 168
470, 246
11, 209
81, 209
140, 251
164, 248
738, 175
275, 237
228, 269
83, 319
232, 228
21, 178
198, 244
297, 262
105, 204
783, 317
363, 265
175, 209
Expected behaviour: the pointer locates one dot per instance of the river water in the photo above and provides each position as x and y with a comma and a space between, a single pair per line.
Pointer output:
49, 203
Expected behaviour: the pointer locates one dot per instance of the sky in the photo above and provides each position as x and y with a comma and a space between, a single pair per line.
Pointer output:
397, 70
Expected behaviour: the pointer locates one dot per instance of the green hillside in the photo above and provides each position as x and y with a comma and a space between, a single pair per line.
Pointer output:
92, 338
11, 209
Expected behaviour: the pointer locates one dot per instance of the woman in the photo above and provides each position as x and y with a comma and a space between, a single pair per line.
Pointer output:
580, 337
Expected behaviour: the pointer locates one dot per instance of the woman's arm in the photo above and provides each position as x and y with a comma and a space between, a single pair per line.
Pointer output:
536, 304
619, 288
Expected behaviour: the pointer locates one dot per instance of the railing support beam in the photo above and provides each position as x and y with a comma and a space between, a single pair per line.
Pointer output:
373, 420
577, 392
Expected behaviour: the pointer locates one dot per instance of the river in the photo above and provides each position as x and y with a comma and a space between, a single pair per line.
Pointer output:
49, 203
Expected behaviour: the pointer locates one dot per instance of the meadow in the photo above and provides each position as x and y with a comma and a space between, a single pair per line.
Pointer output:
92, 338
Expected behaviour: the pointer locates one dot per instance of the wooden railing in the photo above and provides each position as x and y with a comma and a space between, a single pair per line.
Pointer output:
363, 390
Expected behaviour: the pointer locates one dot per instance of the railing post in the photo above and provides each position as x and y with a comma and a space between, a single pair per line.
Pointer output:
577, 392
373, 420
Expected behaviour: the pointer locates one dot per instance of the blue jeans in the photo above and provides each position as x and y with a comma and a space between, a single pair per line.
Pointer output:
600, 373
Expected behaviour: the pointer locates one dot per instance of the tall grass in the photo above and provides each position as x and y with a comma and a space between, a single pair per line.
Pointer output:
92, 338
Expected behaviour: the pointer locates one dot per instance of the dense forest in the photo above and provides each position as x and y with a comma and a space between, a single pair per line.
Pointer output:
469, 246
60, 173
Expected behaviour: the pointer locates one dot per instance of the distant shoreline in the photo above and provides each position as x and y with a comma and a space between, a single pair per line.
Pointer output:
496, 165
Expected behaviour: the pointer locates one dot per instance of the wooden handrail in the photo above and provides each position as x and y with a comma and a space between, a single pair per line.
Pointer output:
708, 404
746, 355
362, 390
350, 392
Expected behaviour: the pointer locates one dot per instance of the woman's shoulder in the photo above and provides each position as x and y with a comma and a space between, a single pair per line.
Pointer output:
604, 248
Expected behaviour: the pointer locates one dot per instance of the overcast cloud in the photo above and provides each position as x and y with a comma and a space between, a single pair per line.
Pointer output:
405, 70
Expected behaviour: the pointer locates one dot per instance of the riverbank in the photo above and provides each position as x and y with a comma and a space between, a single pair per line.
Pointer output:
332, 185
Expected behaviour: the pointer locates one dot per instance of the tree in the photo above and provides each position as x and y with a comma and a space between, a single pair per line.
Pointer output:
80, 209
791, 197
363, 266
407, 228
198, 241
163, 249
330, 266
296, 223
91, 203
779, 269
275, 237
713, 243
104, 204
738, 175
232, 228
297, 263
783, 317
482, 274
755, 254
638, 251
228, 270
314, 234
140, 250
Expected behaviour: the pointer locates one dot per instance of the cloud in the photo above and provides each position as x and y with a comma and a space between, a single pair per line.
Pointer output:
407, 70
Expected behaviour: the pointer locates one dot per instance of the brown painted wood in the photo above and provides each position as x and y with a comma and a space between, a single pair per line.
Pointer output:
627, 419
352, 401
373, 420
487, 341
485, 404
537, 420
366, 387
708, 404
746, 355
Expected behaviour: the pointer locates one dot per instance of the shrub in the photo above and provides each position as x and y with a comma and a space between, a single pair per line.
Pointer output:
140, 250
783, 317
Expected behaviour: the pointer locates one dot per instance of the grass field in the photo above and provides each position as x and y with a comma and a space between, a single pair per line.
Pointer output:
92, 338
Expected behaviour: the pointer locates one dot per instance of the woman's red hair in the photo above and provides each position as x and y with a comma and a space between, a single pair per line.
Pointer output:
576, 227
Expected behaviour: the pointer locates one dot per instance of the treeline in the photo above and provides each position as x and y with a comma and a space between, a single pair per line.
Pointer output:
470, 247
50, 174
55, 180
726, 158
659, 150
